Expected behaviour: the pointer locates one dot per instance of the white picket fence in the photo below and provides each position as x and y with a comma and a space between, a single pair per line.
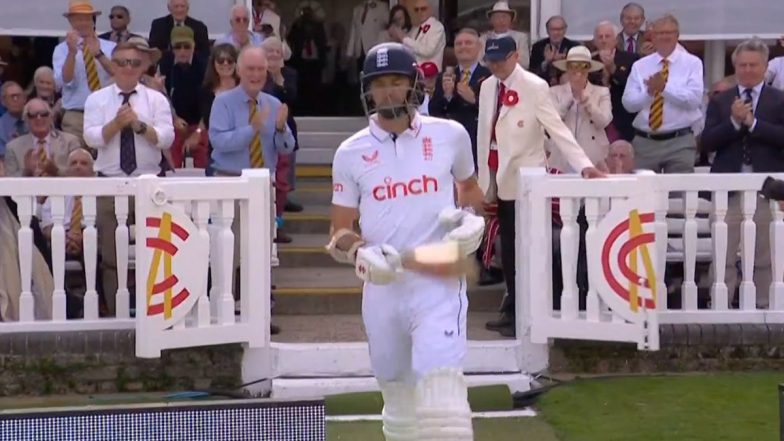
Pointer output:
690, 228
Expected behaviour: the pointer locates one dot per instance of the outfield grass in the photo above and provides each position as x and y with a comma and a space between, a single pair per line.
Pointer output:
501, 429
719, 407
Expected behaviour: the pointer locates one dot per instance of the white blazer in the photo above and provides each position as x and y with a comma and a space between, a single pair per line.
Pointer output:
362, 37
586, 122
429, 44
520, 131
520, 38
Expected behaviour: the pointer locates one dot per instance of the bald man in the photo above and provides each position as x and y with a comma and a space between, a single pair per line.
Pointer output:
161, 27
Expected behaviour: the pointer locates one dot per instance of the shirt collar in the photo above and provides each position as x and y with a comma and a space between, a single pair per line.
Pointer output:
756, 90
626, 37
510, 79
382, 135
672, 58
117, 91
471, 68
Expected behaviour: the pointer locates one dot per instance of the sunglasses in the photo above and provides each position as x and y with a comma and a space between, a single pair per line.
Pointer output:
224, 60
124, 62
241, 19
578, 65
118, 17
35, 115
178, 47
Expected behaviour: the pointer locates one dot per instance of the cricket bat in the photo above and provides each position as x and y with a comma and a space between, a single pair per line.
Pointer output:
440, 259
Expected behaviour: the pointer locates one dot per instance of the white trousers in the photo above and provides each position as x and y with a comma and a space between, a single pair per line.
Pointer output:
414, 326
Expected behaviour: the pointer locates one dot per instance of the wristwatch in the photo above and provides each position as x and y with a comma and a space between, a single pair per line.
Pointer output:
142, 128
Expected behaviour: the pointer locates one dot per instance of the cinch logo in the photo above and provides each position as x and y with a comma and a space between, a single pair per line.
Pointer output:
393, 190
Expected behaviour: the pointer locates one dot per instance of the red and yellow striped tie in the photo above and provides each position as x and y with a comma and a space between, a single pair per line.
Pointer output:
466, 76
656, 117
256, 157
92, 70
42, 157
76, 215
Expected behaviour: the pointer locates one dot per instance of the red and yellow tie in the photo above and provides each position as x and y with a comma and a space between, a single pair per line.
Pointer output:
92, 70
466, 76
42, 157
656, 118
256, 157
76, 215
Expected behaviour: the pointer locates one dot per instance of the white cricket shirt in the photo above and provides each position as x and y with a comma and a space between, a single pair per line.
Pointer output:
400, 184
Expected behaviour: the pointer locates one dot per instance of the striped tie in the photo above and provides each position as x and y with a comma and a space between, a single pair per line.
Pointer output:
76, 215
42, 152
92, 71
656, 118
256, 158
466, 76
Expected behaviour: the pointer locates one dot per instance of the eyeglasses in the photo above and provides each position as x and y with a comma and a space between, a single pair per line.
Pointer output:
118, 17
133, 62
578, 65
178, 47
224, 60
35, 115
241, 19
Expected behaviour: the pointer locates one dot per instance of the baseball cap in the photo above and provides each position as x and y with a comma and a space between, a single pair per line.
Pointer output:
497, 49
181, 34
429, 69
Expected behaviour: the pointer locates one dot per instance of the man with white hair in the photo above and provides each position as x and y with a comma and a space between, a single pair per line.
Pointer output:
240, 34
775, 74
620, 158
427, 39
161, 28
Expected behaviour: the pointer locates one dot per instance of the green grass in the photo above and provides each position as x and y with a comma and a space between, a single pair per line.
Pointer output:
720, 407
501, 429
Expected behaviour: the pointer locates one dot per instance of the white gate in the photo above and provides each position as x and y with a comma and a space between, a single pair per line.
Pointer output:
623, 260
184, 230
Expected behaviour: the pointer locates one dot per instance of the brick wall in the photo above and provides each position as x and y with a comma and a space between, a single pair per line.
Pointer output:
105, 362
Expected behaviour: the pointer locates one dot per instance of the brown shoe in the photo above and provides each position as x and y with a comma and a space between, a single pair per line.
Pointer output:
282, 237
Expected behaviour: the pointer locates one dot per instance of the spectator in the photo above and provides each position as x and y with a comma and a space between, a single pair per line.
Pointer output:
745, 127
620, 159
44, 87
129, 125
161, 28
553, 48
80, 64
119, 19
457, 89
3, 64
367, 29
398, 19
309, 51
666, 89
427, 38
775, 74
11, 123
221, 76
615, 74
632, 39
429, 73
240, 36
44, 142
584, 108
501, 19
184, 71
266, 21
337, 70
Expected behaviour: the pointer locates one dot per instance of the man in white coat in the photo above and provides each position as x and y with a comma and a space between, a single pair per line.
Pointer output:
515, 109
427, 39
367, 22
501, 18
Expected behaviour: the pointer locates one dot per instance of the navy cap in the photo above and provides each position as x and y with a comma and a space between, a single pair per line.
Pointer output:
497, 49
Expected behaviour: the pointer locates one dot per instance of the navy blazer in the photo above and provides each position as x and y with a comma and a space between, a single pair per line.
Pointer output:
457, 108
766, 141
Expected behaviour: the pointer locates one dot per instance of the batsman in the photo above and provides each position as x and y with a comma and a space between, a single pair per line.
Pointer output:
399, 178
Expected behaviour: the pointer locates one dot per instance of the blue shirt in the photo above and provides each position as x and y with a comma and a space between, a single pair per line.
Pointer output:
231, 133
10, 128
75, 92
255, 39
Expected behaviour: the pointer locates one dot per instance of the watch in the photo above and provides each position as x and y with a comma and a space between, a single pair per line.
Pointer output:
142, 128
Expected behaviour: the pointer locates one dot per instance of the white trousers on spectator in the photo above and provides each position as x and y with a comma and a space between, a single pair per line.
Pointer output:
415, 325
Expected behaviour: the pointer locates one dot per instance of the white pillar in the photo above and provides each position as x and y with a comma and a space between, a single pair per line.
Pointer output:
540, 11
715, 51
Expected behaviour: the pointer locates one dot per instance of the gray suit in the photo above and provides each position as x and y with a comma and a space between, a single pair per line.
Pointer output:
621, 43
61, 145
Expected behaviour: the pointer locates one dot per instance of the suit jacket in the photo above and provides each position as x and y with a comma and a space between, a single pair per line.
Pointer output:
160, 34
108, 36
620, 43
520, 38
766, 141
587, 123
286, 94
364, 35
520, 131
428, 42
457, 108
548, 72
622, 119
61, 145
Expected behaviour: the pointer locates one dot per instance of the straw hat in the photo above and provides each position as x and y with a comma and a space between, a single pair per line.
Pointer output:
143, 45
81, 7
502, 7
579, 54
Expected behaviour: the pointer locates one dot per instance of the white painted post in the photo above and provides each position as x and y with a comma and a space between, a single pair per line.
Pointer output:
215, 259
689, 294
226, 306
90, 251
747, 246
122, 299
257, 269
719, 294
777, 258
570, 240
147, 345
201, 216
58, 256
24, 206
592, 303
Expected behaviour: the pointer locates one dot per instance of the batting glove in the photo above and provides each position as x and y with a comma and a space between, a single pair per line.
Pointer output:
379, 264
466, 228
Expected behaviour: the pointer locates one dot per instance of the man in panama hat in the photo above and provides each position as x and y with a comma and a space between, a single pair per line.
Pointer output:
501, 18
